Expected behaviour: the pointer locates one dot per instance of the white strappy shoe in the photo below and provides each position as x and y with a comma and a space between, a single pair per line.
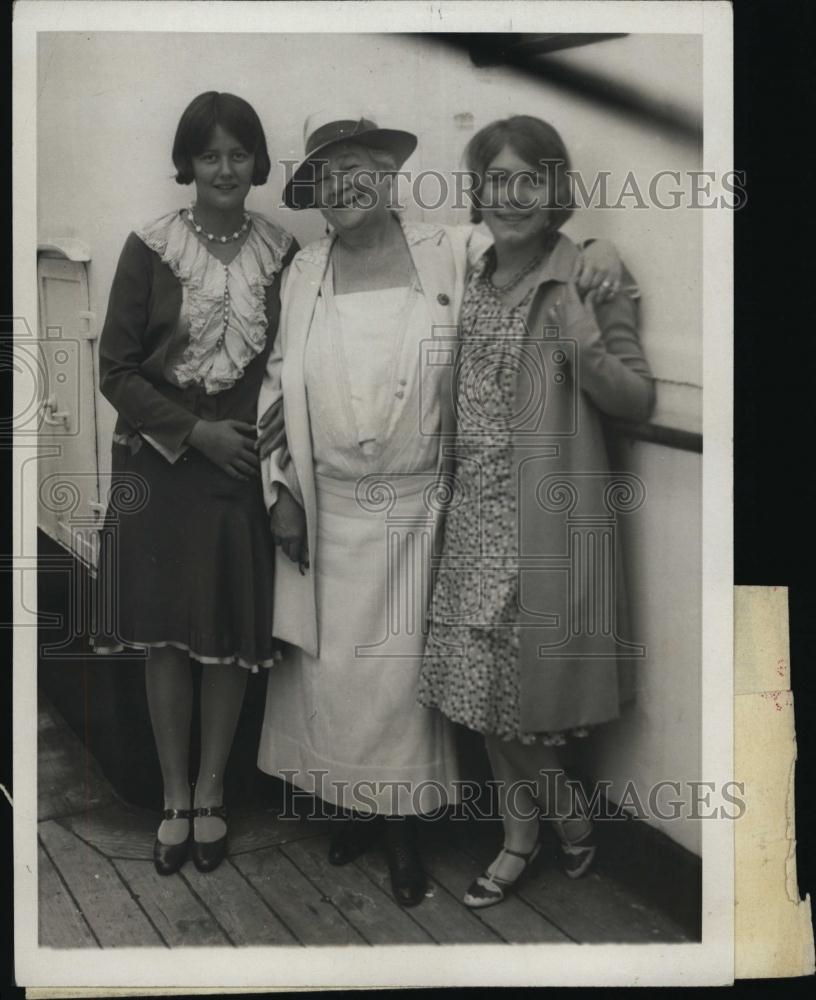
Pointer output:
489, 889
577, 855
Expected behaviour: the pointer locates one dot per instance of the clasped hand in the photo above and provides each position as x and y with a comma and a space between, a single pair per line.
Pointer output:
229, 444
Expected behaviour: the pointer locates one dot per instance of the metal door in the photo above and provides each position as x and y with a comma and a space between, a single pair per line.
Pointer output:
68, 496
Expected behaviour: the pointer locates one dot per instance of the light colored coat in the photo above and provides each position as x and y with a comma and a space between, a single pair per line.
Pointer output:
441, 257
576, 649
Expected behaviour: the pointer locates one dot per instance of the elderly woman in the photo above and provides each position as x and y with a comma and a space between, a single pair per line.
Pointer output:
528, 614
357, 509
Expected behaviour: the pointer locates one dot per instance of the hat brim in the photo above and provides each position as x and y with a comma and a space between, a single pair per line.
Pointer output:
299, 192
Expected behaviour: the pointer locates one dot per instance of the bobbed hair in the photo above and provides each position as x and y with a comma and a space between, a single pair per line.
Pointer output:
537, 143
234, 115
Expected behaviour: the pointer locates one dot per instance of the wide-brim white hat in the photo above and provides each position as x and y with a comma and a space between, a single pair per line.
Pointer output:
324, 129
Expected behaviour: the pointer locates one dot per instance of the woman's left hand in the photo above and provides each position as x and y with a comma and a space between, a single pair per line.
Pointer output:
288, 523
598, 269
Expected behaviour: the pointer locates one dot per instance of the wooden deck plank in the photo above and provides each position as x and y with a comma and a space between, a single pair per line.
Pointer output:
179, 916
61, 923
261, 829
117, 830
114, 915
445, 918
594, 909
122, 831
372, 912
240, 911
304, 909
513, 920
283, 861
68, 778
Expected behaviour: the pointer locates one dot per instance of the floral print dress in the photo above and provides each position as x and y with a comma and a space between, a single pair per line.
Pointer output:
471, 666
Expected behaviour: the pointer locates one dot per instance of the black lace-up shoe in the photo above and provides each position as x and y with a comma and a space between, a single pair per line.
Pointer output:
353, 838
407, 877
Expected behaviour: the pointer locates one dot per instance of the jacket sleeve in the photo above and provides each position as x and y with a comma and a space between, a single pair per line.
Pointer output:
122, 351
613, 368
273, 475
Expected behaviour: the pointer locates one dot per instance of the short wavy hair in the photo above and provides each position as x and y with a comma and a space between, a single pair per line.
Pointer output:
537, 143
234, 115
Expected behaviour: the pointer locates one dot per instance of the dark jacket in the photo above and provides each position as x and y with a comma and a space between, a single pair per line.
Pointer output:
143, 309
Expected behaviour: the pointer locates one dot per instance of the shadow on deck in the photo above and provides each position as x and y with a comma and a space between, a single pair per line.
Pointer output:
98, 887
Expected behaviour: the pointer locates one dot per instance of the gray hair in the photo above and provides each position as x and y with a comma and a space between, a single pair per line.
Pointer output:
381, 159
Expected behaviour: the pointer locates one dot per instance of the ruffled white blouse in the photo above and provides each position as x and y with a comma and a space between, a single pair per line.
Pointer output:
222, 323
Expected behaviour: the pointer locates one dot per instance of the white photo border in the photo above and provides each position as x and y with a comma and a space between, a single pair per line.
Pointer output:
707, 962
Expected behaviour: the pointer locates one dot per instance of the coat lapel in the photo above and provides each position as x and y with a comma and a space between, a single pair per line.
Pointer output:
303, 286
442, 284
295, 595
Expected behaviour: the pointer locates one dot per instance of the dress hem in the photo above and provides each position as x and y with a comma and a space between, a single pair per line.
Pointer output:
108, 650
351, 791
553, 738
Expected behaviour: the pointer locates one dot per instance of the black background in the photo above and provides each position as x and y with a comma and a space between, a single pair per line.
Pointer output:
775, 371
775, 346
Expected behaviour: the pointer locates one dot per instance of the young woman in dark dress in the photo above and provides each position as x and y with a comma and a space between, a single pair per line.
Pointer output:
186, 558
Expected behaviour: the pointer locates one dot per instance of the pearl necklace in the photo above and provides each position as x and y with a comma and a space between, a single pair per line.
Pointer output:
219, 239
225, 299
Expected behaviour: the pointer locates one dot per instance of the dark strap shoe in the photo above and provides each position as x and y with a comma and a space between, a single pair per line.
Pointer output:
354, 837
208, 854
408, 881
168, 858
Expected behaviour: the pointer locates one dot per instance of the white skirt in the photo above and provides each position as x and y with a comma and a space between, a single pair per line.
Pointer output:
346, 725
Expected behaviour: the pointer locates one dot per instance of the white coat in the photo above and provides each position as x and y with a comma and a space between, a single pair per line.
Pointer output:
441, 256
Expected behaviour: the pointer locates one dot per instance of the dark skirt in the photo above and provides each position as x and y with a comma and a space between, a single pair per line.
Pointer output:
186, 559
